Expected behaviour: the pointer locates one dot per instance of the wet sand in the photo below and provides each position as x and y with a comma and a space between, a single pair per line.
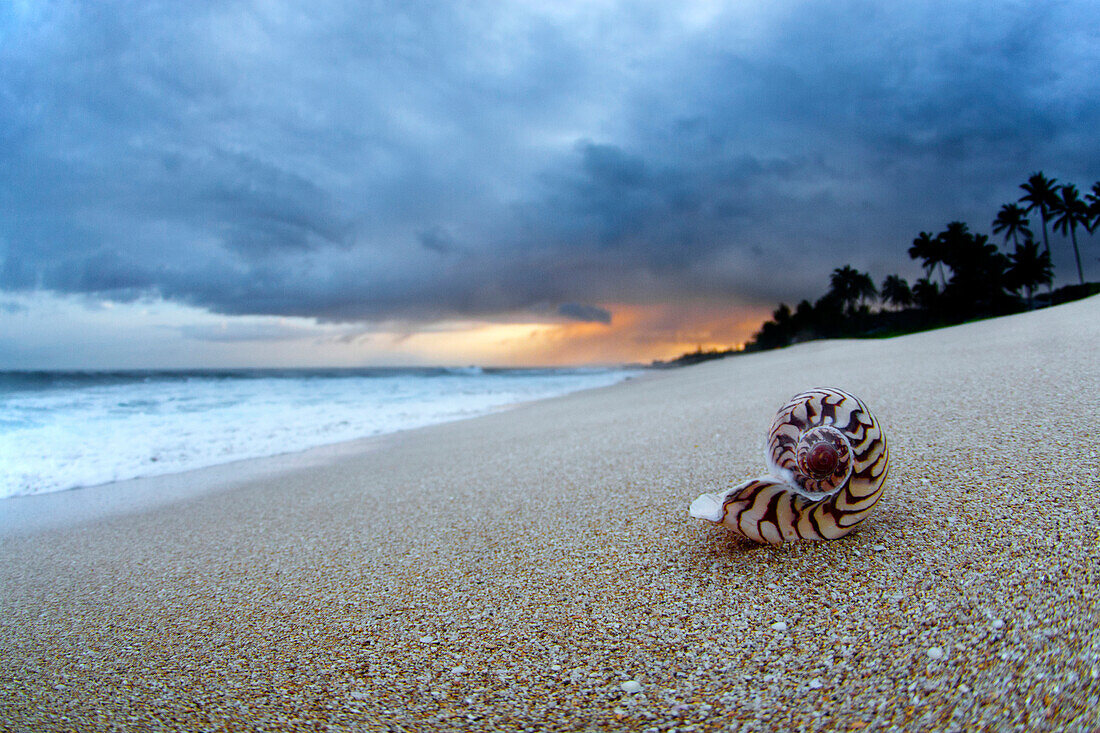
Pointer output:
536, 568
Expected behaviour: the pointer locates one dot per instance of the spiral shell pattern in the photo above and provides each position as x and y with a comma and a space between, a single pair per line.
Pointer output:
827, 460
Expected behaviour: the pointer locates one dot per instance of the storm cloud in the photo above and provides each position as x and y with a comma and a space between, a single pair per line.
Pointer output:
357, 162
587, 313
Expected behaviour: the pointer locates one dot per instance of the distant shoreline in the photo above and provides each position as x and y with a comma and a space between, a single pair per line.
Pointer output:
888, 324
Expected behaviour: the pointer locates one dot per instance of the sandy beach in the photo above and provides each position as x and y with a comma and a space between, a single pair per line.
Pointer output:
523, 570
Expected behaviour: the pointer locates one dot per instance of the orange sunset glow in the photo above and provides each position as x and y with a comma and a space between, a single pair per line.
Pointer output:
636, 334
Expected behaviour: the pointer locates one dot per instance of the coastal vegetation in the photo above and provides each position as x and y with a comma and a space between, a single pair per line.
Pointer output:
966, 276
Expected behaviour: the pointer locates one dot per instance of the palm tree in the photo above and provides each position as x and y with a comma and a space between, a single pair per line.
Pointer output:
1071, 212
955, 244
1094, 207
926, 294
977, 282
930, 250
850, 286
1041, 194
1012, 221
865, 287
1029, 268
895, 290
840, 285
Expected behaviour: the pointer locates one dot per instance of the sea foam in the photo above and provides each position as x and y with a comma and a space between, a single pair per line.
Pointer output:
62, 431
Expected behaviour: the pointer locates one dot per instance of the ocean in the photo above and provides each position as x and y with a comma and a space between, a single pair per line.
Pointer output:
63, 430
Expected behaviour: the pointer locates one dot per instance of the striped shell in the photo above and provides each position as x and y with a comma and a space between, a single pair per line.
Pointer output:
827, 461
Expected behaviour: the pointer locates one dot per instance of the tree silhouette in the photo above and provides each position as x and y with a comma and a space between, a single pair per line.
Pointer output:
1012, 221
977, 283
954, 243
926, 294
782, 317
1094, 207
1028, 268
976, 279
1041, 193
929, 249
865, 288
1071, 212
804, 319
850, 286
895, 290
829, 318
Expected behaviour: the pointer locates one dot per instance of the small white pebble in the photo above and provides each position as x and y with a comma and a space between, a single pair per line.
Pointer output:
998, 623
780, 626
879, 548
458, 670
631, 687
964, 688
935, 652
816, 683
773, 586
427, 639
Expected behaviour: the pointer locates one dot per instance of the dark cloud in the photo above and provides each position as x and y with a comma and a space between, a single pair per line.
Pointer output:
581, 312
364, 162
437, 239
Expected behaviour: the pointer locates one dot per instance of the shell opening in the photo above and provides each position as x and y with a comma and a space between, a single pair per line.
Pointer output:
821, 460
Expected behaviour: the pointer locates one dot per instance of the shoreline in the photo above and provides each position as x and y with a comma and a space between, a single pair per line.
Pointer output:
31, 513
147, 492
528, 571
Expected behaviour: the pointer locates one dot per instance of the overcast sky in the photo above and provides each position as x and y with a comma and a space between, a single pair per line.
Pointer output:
247, 182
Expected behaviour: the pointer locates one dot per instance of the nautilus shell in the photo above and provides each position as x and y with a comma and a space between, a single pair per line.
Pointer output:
827, 461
